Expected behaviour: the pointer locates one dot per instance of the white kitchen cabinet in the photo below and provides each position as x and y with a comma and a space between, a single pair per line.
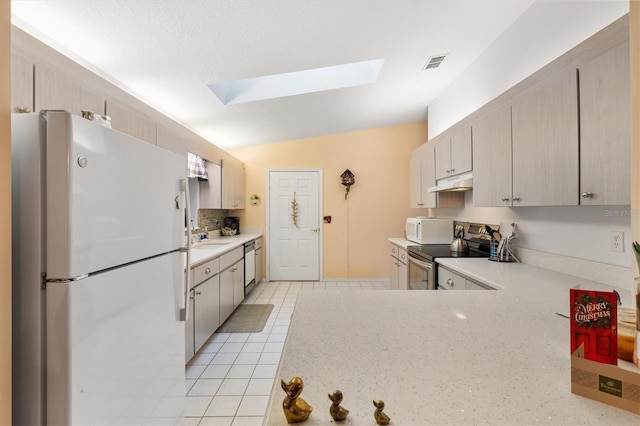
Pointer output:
605, 125
233, 182
449, 280
492, 167
210, 191
399, 279
453, 152
129, 120
54, 89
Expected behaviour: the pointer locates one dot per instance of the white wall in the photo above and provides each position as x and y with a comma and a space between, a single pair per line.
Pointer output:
580, 231
544, 32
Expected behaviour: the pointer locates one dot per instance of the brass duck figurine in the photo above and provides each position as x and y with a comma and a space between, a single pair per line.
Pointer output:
381, 418
337, 412
296, 410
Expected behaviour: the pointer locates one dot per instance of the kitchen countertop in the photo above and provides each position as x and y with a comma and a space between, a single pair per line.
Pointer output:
442, 357
402, 242
203, 251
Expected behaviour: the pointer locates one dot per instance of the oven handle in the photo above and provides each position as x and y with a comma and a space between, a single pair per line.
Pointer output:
422, 264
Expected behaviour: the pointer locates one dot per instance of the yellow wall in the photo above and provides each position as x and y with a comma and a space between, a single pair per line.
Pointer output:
355, 243
5, 213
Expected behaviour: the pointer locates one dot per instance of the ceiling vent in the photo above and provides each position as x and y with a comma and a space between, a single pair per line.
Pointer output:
434, 62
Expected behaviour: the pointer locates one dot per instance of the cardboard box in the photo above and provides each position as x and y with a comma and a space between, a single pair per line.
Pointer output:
610, 384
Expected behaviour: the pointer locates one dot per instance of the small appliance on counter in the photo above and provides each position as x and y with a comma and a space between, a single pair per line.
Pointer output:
429, 230
231, 225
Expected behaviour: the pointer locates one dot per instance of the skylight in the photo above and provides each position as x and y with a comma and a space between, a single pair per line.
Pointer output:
297, 83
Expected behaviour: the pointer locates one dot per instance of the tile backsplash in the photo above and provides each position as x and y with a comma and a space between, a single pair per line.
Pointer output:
211, 218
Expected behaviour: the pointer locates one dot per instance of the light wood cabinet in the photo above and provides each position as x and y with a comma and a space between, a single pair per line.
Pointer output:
210, 191
449, 280
422, 177
233, 182
131, 121
545, 142
453, 152
21, 81
492, 171
204, 316
56, 90
399, 278
238, 282
231, 281
605, 139
206, 310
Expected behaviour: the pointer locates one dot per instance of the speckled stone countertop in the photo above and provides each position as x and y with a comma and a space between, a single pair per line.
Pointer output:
205, 251
442, 357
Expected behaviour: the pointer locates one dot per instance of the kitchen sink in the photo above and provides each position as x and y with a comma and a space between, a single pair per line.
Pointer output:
209, 244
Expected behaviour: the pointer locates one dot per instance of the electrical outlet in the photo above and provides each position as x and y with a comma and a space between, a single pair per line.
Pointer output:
616, 241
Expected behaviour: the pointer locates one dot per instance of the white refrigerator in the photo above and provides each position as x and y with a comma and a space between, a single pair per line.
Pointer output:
98, 282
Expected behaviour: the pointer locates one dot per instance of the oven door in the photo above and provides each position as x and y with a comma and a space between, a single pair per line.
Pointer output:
420, 275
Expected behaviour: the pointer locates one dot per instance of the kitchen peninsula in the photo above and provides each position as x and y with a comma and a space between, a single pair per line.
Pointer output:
442, 357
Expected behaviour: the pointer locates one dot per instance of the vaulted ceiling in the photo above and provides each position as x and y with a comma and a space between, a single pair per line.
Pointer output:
167, 52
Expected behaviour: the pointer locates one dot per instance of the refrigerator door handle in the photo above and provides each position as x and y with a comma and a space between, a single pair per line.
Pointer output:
184, 311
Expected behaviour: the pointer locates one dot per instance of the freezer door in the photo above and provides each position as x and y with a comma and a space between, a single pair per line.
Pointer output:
110, 198
115, 346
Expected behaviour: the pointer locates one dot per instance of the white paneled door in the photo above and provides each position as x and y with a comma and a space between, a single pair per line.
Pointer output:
294, 233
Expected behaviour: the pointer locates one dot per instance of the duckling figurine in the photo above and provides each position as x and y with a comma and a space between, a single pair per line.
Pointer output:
381, 418
337, 412
296, 410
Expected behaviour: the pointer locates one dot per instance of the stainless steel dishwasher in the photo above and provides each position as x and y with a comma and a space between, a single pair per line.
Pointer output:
249, 266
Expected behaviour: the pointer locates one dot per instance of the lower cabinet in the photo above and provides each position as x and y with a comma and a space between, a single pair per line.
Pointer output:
398, 268
231, 282
449, 280
206, 310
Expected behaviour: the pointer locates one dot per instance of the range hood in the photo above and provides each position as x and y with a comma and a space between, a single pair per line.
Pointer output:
463, 182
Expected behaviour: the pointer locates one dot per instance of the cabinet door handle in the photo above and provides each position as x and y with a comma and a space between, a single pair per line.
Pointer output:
207, 271
516, 198
450, 282
393, 251
587, 195
403, 257
198, 293
505, 198
24, 110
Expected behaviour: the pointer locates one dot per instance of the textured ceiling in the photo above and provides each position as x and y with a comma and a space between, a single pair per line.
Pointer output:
166, 52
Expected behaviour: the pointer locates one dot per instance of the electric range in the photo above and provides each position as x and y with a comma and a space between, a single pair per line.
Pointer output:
423, 269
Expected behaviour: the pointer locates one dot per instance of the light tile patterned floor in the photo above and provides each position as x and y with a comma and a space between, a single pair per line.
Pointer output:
230, 379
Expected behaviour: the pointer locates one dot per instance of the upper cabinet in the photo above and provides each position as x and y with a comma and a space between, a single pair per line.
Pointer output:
492, 172
210, 191
233, 182
453, 152
130, 120
545, 142
56, 90
21, 81
422, 177
605, 139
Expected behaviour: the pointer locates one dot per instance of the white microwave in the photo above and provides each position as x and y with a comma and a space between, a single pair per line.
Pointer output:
429, 230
